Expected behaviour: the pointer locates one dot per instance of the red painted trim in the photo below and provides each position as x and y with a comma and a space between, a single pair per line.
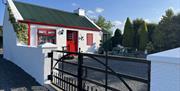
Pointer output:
89, 37
29, 33
46, 29
59, 25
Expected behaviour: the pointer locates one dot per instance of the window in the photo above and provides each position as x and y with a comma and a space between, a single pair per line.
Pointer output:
70, 36
89, 39
46, 35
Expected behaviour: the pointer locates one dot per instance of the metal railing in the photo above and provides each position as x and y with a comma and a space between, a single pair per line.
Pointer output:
69, 80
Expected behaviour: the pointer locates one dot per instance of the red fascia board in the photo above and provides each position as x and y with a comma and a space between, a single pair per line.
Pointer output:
45, 29
59, 25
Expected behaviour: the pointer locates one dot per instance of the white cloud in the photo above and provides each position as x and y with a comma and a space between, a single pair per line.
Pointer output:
94, 13
90, 12
75, 4
99, 10
147, 20
160, 18
92, 16
118, 24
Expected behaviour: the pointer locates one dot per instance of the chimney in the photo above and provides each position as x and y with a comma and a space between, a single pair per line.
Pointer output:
80, 12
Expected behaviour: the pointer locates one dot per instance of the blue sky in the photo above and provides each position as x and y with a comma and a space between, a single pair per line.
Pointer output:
114, 10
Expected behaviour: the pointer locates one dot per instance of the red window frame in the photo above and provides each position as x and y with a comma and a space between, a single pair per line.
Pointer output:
45, 32
89, 39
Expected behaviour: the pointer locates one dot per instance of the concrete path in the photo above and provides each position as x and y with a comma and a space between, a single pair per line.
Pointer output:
13, 78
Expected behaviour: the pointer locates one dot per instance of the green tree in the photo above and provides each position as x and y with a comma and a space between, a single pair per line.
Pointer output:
1, 38
106, 27
167, 33
128, 36
104, 24
0, 30
151, 29
117, 38
167, 17
136, 25
143, 37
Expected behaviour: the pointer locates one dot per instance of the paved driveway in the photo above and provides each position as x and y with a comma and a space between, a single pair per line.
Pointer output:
13, 77
130, 68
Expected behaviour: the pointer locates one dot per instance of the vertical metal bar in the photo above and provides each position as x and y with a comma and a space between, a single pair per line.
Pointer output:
106, 70
62, 63
80, 70
51, 66
106, 62
86, 72
149, 76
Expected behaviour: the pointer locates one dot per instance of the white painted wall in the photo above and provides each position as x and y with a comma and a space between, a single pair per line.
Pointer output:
9, 37
61, 39
47, 63
31, 59
83, 43
165, 70
80, 12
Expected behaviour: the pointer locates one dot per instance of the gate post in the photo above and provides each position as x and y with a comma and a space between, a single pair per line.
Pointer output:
50, 55
80, 71
165, 70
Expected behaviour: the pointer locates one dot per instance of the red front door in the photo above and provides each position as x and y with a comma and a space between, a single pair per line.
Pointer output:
72, 41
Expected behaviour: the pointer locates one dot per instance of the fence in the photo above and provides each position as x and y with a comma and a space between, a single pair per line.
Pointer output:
94, 72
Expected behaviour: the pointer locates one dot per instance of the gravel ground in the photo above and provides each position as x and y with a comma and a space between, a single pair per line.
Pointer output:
130, 68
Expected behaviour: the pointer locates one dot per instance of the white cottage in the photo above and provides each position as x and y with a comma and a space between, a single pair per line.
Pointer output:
48, 29
63, 29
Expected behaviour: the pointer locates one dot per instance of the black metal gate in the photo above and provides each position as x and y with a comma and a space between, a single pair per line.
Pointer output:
94, 72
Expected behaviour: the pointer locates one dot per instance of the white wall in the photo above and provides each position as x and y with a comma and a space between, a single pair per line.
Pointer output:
30, 59
83, 43
34, 37
165, 70
61, 38
9, 37
47, 63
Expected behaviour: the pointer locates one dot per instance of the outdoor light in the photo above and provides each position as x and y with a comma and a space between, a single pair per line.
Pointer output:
81, 37
61, 32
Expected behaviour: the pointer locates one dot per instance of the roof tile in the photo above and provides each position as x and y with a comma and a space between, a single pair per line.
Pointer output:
51, 16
